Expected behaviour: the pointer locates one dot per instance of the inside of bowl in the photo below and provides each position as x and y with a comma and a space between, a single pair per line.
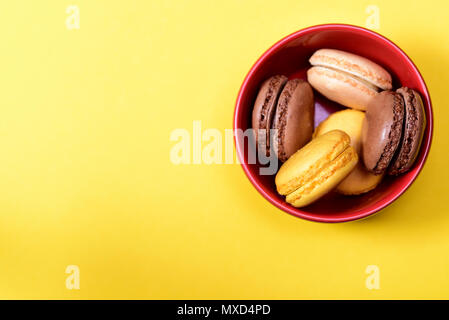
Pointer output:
291, 59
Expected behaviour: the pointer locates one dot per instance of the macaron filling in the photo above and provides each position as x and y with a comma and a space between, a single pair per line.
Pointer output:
409, 133
277, 83
394, 135
282, 109
274, 83
412, 133
352, 76
264, 111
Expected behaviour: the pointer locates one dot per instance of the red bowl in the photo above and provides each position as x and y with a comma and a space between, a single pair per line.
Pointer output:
290, 57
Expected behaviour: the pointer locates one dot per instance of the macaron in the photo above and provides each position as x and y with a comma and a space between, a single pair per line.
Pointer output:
360, 180
382, 130
346, 78
413, 131
263, 111
283, 116
316, 169
293, 119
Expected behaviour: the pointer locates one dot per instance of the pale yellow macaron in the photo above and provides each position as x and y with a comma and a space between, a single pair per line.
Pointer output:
350, 121
316, 168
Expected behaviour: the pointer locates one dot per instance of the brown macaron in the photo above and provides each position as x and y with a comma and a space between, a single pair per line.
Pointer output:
294, 117
382, 130
263, 111
413, 131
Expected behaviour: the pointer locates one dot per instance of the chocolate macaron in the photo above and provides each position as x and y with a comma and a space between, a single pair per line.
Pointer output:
263, 111
413, 131
287, 108
293, 119
382, 130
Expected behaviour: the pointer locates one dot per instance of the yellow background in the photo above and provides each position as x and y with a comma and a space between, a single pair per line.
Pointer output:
86, 178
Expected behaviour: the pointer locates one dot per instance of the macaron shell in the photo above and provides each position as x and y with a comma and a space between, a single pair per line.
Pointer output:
329, 177
294, 118
264, 108
359, 181
350, 121
340, 87
310, 160
353, 64
382, 130
414, 125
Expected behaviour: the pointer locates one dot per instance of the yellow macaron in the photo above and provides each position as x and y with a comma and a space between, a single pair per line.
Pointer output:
316, 168
350, 121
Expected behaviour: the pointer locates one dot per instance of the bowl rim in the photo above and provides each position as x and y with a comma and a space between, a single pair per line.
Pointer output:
297, 212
